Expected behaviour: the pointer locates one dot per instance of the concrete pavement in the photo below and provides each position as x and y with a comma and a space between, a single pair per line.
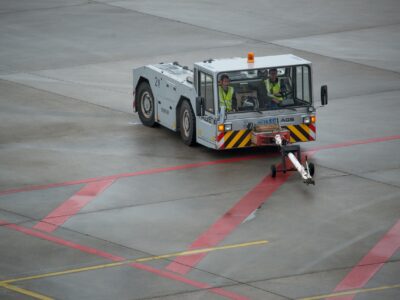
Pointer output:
66, 128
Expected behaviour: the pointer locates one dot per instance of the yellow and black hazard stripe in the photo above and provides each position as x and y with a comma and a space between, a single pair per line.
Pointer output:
234, 139
302, 133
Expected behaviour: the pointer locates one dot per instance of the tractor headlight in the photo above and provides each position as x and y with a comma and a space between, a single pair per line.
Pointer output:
309, 119
225, 127
228, 126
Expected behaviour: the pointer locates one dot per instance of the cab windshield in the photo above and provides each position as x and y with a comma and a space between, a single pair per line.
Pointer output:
265, 89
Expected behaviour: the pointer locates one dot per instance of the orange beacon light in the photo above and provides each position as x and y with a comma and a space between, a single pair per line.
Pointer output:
250, 57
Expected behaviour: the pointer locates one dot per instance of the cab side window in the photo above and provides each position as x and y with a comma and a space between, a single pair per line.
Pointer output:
207, 91
303, 83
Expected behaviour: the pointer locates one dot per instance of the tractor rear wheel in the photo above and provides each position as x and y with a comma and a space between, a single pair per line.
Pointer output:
145, 104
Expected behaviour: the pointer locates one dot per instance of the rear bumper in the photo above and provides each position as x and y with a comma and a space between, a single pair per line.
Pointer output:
250, 138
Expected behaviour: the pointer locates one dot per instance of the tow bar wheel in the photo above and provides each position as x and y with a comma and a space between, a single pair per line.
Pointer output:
312, 169
273, 171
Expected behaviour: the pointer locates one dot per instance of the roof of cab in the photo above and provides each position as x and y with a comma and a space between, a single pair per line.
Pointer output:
240, 63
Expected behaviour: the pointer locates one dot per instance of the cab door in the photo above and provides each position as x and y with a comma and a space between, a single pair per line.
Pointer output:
207, 124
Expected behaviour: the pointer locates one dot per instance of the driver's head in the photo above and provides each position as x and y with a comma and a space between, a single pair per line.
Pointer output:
225, 81
273, 73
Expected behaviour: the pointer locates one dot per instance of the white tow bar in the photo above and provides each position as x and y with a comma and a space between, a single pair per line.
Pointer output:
287, 150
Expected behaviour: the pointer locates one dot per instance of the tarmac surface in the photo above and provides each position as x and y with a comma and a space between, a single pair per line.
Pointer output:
94, 205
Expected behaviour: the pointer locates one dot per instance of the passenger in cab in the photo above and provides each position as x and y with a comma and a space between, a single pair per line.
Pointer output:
274, 88
226, 94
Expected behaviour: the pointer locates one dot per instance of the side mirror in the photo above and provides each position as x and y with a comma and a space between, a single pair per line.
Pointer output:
200, 109
324, 95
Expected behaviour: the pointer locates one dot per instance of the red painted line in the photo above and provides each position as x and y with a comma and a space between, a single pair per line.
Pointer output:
358, 142
216, 232
139, 173
229, 221
371, 263
242, 209
90, 250
73, 205
63, 242
189, 166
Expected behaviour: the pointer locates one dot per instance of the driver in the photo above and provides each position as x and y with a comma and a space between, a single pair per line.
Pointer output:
226, 93
273, 87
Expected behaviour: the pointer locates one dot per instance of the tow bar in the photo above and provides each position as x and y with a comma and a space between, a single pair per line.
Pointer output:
306, 172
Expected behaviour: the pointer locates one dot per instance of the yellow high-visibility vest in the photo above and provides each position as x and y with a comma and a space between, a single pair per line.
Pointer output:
225, 99
273, 89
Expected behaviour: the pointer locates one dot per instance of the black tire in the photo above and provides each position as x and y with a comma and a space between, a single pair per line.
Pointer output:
273, 171
187, 124
312, 169
145, 104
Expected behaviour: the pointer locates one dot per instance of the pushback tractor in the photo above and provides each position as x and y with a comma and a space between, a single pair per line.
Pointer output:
268, 101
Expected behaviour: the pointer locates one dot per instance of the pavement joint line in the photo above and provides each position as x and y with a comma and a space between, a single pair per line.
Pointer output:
358, 175
25, 292
37, 74
49, 219
352, 292
267, 42
136, 260
3, 78
41, 9
375, 93
316, 272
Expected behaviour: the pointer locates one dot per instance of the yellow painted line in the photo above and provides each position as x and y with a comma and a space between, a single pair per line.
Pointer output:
26, 292
297, 133
198, 251
236, 138
352, 292
245, 141
144, 259
66, 272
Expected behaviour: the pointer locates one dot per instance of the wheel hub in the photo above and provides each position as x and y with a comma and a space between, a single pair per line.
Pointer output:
147, 107
186, 123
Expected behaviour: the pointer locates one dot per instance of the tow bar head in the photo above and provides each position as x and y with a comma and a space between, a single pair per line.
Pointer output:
288, 151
